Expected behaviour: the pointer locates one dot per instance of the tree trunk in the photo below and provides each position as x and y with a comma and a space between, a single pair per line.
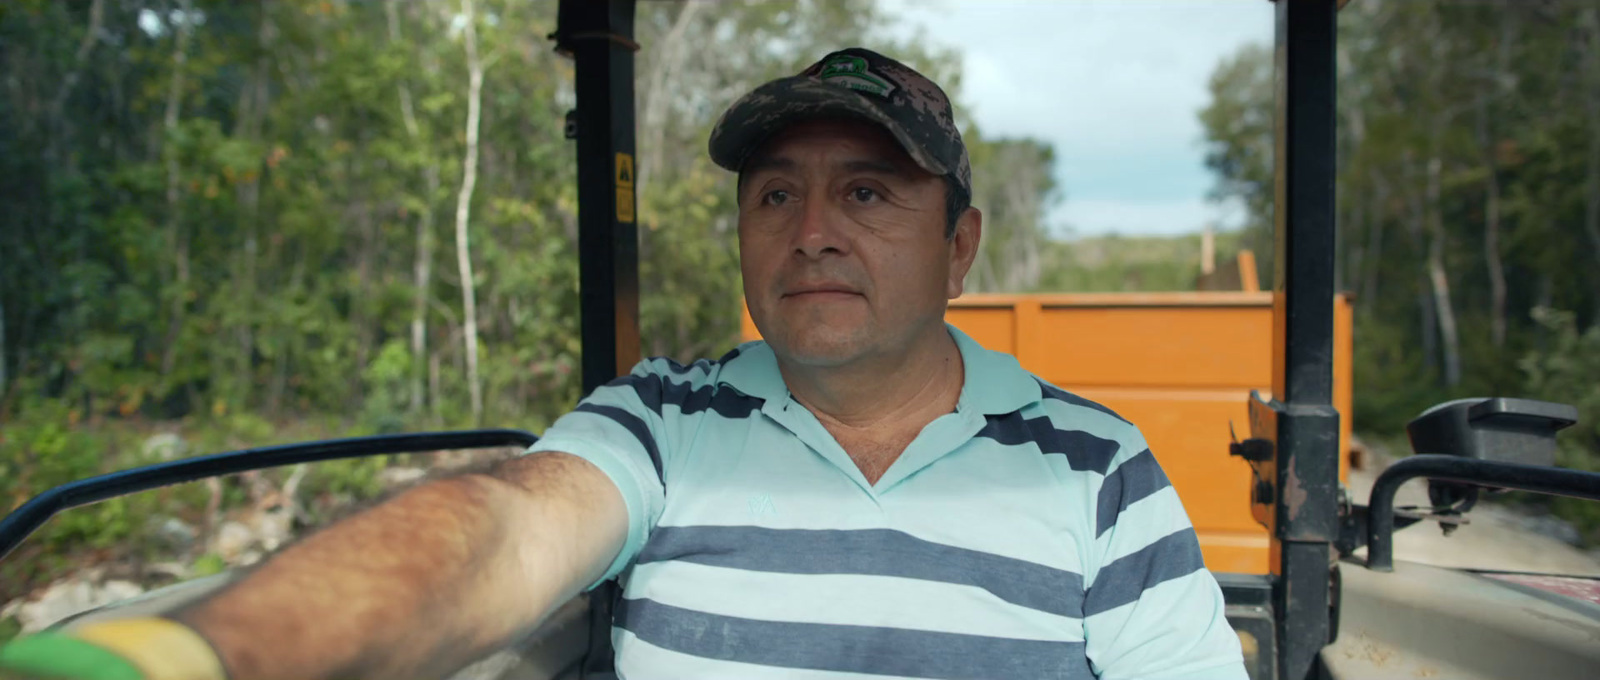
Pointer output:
253, 114
1491, 226
1488, 143
1021, 267
1449, 336
1349, 253
1372, 261
175, 231
434, 386
361, 306
1427, 304
422, 267
57, 133
422, 274
1591, 101
70, 80
280, 366
1430, 326
469, 178
3, 353
1349, 271
1433, 220
666, 64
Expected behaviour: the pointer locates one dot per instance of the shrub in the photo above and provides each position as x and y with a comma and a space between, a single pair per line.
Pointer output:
1566, 369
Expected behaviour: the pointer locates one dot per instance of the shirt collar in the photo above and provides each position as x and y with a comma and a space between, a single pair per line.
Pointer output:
994, 381
754, 372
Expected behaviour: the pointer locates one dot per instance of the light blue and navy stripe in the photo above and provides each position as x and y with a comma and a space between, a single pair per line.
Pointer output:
1042, 542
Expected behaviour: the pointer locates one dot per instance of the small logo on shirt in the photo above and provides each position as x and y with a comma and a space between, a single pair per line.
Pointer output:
761, 505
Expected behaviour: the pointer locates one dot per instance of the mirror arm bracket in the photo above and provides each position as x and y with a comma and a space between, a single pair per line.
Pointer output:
1380, 511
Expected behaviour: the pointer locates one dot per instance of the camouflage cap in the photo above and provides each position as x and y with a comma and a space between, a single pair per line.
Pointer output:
852, 83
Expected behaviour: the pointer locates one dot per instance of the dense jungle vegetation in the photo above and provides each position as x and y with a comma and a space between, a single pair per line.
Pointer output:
253, 222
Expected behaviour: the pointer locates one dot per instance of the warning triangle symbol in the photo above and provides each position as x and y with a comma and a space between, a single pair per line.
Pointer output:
624, 169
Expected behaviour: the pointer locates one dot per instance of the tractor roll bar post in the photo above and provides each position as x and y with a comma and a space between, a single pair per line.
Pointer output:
598, 36
1307, 457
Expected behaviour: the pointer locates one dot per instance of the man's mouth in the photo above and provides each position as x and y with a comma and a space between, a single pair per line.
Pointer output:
821, 292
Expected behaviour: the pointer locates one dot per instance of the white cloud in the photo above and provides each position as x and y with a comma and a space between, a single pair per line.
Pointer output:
1114, 85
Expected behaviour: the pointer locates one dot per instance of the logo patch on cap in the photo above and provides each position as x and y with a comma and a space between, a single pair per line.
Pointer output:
852, 72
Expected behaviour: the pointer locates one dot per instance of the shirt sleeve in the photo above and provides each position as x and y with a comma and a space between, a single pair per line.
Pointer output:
1152, 609
617, 430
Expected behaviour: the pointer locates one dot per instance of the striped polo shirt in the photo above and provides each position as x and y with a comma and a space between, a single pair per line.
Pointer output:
1028, 534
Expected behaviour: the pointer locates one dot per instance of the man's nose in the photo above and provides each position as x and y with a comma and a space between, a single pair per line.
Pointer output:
820, 231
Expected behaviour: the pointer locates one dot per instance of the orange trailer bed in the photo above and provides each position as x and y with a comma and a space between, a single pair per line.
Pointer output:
1181, 367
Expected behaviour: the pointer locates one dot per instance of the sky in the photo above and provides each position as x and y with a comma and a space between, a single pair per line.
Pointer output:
1114, 85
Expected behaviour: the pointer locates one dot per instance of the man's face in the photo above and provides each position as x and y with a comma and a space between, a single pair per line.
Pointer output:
842, 244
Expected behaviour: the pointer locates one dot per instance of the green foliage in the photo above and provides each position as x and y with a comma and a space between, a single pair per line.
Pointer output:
223, 226
44, 450
254, 243
1239, 124
45, 446
224, 431
1566, 369
1012, 183
1462, 158
1392, 385
383, 409
1107, 264
209, 564
1468, 202
354, 479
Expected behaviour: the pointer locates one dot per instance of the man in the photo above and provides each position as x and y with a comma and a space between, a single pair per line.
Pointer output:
866, 493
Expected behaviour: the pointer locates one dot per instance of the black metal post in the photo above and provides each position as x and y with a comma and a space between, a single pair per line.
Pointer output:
598, 35
1307, 465
1489, 473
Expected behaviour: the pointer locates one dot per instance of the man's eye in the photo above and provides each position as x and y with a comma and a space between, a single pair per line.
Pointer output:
863, 194
776, 197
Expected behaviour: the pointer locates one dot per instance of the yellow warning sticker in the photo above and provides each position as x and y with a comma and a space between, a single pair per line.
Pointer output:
625, 187
625, 204
625, 170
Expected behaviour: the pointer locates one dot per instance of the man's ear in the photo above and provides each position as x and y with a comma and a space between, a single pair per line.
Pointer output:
963, 250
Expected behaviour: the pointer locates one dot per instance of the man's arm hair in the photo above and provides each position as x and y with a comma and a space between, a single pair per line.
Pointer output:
425, 582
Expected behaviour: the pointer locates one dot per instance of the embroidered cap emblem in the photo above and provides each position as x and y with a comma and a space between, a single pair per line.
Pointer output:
852, 72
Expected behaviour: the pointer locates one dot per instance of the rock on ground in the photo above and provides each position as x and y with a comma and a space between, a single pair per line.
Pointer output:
77, 593
165, 446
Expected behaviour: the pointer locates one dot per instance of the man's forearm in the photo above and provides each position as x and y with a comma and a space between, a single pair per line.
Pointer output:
420, 584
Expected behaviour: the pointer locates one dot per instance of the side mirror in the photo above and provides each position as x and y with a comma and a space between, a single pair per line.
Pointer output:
1498, 429
1463, 446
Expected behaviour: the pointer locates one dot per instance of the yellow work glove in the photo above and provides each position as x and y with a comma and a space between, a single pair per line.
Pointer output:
123, 649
